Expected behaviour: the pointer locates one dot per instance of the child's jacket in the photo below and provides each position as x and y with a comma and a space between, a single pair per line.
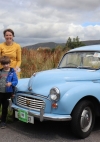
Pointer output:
12, 77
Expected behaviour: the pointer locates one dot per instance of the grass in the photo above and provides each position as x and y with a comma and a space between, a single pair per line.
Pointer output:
35, 61
9, 116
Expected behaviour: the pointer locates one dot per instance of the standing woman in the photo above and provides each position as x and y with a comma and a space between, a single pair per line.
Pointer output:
12, 50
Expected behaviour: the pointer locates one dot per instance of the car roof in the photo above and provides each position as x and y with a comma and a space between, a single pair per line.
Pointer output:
86, 48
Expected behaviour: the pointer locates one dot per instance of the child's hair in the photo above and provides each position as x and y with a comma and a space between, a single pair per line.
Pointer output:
5, 60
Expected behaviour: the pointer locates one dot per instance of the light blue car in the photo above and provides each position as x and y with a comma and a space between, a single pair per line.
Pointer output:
71, 92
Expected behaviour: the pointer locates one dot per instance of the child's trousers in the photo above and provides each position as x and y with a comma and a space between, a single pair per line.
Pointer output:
4, 103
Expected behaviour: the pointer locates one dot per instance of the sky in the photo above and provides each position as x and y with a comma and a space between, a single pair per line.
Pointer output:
38, 21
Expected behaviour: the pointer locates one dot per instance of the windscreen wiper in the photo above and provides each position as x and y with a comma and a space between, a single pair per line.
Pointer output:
86, 67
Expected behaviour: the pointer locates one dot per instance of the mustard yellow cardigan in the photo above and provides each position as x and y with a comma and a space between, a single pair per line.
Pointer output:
13, 51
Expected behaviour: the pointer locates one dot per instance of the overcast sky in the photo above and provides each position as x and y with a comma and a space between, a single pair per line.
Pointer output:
35, 21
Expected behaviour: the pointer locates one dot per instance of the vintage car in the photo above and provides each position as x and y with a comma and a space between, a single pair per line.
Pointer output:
71, 92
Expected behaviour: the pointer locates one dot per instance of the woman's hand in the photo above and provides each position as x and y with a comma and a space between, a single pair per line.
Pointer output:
17, 69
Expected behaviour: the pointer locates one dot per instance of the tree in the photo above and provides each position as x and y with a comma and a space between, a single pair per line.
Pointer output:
73, 43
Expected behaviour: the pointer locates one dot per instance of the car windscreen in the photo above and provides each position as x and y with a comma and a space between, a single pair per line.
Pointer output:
86, 60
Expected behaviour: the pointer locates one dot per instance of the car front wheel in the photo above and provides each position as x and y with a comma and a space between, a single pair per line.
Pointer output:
83, 118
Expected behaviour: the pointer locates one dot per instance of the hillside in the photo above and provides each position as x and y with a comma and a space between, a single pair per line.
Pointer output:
91, 42
46, 44
53, 44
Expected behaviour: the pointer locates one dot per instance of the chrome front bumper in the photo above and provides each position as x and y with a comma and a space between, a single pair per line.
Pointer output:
44, 116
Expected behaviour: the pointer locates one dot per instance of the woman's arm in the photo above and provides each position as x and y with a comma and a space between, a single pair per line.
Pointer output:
18, 58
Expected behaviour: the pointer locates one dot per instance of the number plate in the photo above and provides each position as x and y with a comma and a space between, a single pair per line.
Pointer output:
23, 116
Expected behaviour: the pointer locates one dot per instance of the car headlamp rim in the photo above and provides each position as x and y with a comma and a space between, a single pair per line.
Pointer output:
54, 94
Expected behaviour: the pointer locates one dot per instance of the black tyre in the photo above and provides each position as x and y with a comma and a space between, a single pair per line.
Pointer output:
83, 119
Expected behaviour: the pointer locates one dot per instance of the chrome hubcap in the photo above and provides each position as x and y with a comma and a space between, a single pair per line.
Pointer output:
86, 119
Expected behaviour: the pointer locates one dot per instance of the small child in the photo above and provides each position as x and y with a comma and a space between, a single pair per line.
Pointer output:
8, 80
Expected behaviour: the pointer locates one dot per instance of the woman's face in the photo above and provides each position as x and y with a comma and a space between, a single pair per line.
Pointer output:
8, 37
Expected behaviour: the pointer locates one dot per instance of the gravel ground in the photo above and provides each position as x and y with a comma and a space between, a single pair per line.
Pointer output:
44, 132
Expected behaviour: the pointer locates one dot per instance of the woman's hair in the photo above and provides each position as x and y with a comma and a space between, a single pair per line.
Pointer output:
8, 30
5, 60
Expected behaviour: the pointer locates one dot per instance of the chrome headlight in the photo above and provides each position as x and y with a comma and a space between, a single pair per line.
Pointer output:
54, 94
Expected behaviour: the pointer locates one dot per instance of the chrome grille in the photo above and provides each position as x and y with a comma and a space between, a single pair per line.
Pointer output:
30, 103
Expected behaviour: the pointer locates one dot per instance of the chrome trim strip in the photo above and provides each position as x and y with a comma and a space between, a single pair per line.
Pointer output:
44, 116
33, 94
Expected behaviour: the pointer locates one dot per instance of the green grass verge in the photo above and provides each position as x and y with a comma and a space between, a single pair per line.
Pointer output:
9, 116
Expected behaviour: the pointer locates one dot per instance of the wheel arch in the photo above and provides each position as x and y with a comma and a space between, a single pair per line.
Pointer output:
92, 99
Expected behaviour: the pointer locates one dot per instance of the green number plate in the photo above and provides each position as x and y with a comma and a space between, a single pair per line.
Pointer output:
23, 115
